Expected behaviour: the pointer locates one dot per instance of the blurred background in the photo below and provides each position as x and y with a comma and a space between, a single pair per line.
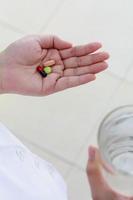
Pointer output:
60, 127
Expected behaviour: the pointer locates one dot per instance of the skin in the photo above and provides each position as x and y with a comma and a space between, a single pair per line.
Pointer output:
99, 187
73, 65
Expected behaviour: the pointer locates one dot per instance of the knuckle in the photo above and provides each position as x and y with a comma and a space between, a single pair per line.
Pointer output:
91, 59
73, 51
79, 61
65, 72
75, 71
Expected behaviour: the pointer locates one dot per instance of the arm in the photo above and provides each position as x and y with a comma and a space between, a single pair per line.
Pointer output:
73, 65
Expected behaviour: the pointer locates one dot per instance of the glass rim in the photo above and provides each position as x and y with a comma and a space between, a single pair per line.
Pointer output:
99, 132
108, 115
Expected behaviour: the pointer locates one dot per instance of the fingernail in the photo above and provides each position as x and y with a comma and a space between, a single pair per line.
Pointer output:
91, 154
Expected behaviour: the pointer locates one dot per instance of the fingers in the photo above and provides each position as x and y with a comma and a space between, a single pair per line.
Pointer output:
93, 171
72, 81
92, 69
99, 188
52, 41
85, 60
80, 50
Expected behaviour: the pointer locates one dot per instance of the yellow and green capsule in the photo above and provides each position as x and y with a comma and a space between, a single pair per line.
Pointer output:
47, 69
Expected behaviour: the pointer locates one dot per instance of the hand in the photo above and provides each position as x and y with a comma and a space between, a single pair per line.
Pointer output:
99, 188
73, 65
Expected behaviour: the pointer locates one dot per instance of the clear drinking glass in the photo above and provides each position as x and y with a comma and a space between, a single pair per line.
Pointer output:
115, 140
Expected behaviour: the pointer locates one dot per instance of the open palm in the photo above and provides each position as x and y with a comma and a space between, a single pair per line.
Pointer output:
73, 65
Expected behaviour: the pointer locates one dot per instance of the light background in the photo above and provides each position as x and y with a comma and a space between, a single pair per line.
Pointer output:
60, 127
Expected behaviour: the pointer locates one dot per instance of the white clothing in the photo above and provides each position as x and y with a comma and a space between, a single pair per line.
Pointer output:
25, 176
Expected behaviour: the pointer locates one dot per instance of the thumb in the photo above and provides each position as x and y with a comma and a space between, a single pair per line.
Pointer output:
51, 41
95, 177
99, 187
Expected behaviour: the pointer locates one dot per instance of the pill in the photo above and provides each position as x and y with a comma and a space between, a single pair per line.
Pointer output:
40, 70
49, 63
47, 70
43, 73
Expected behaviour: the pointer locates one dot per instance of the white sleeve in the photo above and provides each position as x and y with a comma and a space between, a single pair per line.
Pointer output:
24, 175
7, 138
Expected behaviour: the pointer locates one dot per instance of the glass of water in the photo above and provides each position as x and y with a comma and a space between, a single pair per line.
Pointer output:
115, 140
